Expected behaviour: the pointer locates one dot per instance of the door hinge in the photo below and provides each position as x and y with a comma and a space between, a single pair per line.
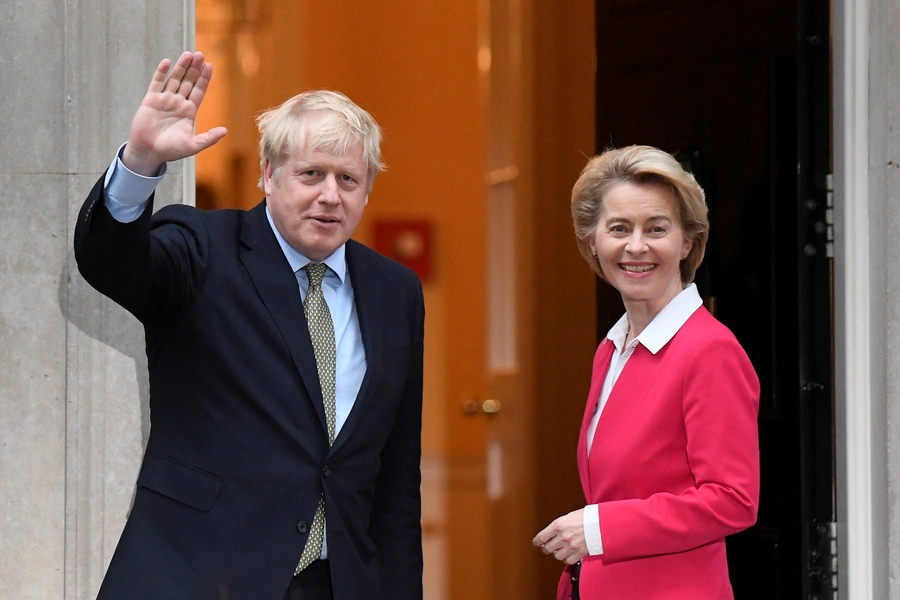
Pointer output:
829, 215
823, 561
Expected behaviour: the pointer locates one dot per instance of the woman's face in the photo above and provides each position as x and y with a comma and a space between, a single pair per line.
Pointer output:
640, 244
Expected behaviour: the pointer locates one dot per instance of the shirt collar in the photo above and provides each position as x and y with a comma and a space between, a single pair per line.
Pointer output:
619, 332
664, 325
336, 262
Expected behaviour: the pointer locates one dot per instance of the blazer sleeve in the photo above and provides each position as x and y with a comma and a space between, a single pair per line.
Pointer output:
397, 510
153, 265
720, 406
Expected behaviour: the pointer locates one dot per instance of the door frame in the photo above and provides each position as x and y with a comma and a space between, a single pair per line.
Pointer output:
860, 382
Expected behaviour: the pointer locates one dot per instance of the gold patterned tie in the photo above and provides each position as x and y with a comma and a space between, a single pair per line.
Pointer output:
321, 332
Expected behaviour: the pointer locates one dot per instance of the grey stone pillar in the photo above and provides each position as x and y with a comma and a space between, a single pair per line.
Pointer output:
884, 161
73, 388
867, 295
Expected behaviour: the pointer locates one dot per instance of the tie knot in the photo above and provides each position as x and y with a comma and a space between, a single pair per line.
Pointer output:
315, 272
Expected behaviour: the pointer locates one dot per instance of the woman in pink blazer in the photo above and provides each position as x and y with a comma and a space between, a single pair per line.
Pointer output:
668, 453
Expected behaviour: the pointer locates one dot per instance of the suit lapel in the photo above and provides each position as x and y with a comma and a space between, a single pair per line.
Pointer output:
601, 365
278, 288
628, 395
369, 290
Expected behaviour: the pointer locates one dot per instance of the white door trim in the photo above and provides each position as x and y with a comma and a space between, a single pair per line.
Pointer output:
858, 481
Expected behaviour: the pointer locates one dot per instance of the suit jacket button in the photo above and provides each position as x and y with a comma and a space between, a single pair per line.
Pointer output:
302, 527
326, 471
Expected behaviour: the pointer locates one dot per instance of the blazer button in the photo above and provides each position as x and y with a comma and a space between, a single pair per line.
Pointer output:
302, 527
326, 471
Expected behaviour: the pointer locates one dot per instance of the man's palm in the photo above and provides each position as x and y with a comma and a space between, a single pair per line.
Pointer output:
163, 126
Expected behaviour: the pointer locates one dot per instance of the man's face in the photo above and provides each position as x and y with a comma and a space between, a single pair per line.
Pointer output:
317, 199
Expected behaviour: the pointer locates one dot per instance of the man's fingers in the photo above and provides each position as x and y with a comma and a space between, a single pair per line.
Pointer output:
181, 66
199, 90
191, 75
159, 76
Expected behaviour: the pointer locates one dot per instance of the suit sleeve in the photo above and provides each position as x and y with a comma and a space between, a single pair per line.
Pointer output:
397, 511
150, 266
720, 405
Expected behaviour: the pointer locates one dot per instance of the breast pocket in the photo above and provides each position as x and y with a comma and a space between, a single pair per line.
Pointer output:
180, 482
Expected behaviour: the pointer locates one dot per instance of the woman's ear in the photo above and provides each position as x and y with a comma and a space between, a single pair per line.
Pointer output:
686, 248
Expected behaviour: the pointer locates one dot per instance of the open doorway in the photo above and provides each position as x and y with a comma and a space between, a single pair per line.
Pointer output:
740, 92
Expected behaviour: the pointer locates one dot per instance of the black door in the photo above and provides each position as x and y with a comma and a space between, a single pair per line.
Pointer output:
738, 90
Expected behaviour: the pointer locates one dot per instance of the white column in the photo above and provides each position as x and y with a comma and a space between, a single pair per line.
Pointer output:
884, 165
73, 386
867, 295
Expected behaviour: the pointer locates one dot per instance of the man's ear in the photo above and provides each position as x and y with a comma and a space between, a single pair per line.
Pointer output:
268, 173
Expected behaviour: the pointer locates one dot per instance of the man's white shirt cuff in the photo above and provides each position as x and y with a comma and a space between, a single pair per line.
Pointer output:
591, 523
127, 192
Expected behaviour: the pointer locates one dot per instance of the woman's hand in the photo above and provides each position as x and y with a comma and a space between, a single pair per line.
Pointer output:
564, 538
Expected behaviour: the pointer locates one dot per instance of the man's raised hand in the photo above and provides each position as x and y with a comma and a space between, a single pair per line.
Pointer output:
163, 126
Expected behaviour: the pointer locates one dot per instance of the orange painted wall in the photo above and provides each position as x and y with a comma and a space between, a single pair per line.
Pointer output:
418, 76
413, 65
420, 85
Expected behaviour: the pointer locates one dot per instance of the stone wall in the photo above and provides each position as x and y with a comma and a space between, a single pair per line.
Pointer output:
73, 389
884, 164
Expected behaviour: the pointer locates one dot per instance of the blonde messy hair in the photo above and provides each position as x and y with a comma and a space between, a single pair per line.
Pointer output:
639, 165
287, 129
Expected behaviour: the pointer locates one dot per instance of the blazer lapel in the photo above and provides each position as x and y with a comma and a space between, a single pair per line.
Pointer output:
628, 394
602, 359
368, 293
277, 287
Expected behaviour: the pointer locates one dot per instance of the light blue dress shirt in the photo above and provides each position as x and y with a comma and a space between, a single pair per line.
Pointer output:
127, 194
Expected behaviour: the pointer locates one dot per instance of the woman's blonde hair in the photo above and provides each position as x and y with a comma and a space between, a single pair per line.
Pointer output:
639, 165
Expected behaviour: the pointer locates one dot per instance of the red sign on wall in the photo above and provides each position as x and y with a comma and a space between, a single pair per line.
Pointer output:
407, 242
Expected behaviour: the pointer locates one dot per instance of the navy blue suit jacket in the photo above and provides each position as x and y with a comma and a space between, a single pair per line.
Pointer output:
238, 452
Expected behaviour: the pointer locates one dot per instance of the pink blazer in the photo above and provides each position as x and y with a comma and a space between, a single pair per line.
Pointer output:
674, 467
